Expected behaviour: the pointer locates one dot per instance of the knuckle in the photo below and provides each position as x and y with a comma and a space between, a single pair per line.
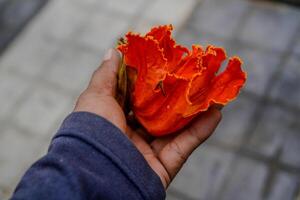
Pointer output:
84, 94
82, 98
194, 132
104, 88
175, 147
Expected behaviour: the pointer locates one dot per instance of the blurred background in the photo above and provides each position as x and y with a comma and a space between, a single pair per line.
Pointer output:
50, 48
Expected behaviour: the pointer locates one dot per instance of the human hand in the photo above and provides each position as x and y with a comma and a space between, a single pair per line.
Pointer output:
165, 155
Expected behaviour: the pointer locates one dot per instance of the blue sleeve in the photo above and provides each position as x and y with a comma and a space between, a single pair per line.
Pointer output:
89, 158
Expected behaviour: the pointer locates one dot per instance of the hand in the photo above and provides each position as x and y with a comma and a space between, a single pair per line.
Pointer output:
165, 155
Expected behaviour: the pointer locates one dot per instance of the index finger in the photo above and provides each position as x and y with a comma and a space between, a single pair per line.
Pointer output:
174, 154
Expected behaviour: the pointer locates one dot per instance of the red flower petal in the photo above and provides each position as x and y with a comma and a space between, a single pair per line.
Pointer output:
144, 55
219, 90
190, 64
159, 116
172, 52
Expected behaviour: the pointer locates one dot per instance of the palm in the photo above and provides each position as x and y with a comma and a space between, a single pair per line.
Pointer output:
165, 155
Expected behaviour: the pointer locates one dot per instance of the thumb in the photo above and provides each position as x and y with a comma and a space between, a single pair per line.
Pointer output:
104, 79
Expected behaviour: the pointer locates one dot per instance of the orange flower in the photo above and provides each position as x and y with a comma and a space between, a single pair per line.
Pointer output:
171, 85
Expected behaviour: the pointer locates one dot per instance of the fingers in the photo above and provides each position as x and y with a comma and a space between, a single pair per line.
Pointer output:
200, 130
159, 143
104, 79
175, 153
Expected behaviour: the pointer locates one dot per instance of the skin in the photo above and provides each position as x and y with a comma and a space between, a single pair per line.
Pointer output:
165, 155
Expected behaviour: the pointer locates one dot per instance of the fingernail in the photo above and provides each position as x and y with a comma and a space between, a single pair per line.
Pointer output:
108, 55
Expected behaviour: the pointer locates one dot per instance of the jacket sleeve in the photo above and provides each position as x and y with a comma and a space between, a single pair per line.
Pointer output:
89, 158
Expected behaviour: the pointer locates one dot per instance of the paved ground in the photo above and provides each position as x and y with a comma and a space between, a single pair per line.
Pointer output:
254, 153
15, 14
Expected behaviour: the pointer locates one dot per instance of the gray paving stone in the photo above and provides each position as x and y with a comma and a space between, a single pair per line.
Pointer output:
203, 173
61, 19
260, 66
14, 15
270, 26
287, 87
89, 4
285, 187
41, 110
17, 152
174, 12
73, 68
188, 37
219, 17
235, 121
246, 181
278, 129
29, 53
291, 147
129, 7
2, 193
270, 132
12, 88
143, 26
170, 197
297, 46
124, 7
103, 31
5, 192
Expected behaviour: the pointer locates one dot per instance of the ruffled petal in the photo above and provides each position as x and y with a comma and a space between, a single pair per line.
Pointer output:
144, 55
213, 58
191, 64
219, 90
164, 114
172, 52
227, 85
200, 83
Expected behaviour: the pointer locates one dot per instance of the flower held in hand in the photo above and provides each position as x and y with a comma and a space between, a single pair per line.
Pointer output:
170, 85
